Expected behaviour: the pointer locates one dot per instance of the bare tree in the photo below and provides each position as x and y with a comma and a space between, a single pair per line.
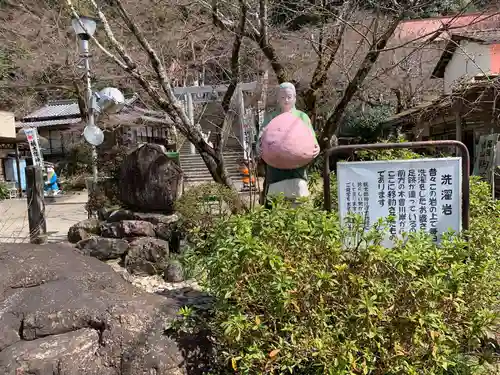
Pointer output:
334, 21
160, 89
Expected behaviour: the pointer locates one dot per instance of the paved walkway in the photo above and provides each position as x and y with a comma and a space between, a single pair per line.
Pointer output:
60, 215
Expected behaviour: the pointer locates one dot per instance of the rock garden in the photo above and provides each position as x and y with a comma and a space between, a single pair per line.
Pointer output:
144, 244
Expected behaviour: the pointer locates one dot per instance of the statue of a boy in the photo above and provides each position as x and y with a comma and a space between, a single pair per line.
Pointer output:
292, 183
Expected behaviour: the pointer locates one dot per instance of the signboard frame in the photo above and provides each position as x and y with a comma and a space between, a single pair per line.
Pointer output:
420, 194
464, 154
482, 147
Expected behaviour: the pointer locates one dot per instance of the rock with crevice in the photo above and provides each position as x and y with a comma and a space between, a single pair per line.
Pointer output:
65, 313
149, 180
128, 228
84, 230
174, 272
153, 218
103, 248
147, 256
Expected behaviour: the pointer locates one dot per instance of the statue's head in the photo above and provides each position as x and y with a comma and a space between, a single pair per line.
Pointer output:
286, 96
50, 169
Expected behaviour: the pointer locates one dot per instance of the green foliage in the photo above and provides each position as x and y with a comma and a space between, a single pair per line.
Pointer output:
78, 160
4, 191
110, 161
388, 154
365, 125
292, 299
315, 185
107, 195
202, 205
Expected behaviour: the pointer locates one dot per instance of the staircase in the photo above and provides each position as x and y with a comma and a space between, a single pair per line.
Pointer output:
195, 170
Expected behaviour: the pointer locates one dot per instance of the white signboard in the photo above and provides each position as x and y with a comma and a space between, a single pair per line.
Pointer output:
486, 156
421, 194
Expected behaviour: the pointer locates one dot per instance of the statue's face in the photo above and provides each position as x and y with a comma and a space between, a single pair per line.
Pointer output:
286, 99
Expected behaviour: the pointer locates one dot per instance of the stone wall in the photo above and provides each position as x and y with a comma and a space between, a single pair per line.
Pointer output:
144, 243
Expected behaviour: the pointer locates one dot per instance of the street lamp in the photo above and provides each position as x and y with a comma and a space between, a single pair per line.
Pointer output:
109, 100
85, 27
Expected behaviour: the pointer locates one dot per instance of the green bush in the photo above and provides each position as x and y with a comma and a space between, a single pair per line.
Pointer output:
202, 205
291, 299
4, 191
78, 161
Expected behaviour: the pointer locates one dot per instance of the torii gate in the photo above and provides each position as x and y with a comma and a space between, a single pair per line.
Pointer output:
192, 95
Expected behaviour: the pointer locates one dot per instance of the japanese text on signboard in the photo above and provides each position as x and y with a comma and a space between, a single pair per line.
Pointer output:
418, 195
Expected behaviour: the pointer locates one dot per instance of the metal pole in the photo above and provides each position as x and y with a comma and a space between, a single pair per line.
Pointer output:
90, 104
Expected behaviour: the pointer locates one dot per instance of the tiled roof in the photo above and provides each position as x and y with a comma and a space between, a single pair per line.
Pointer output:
59, 112
59, 108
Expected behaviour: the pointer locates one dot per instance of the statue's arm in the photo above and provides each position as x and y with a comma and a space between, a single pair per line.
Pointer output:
307, 121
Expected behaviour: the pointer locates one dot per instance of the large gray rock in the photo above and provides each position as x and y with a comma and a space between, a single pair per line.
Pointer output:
153, 218
83, 230
128, 228
103, 248
165, 226
147, 256
65, 313
174, 273
150, 180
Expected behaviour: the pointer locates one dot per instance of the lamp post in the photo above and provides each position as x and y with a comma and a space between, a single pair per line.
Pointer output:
85, 27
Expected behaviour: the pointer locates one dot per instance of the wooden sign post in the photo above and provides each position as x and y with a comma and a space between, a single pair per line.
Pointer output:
36, 205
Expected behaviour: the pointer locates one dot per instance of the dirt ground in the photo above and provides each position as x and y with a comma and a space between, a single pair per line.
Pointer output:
60, 214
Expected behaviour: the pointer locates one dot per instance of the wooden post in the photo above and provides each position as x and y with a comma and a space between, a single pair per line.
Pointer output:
18, 171
240, 102
458, 120
190, 112
36, 205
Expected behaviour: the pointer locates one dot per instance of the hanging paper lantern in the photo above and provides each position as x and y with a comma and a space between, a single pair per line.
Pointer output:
288, 143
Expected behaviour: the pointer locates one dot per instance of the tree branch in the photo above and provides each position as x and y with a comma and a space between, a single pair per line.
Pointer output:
169, 103
331, 125
328, 53
235, 78
260, 37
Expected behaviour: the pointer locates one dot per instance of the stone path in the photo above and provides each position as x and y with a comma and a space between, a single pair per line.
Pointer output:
60, 215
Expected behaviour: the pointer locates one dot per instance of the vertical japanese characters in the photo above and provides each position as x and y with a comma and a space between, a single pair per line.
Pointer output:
418, 196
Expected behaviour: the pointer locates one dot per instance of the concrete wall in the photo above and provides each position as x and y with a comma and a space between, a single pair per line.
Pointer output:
469, 59
7, 125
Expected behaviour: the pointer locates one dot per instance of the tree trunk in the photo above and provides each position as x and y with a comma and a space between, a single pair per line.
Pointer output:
219, 173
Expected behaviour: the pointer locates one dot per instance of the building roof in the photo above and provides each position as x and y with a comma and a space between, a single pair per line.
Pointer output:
59, 112
481, 37
473, 93
422, 29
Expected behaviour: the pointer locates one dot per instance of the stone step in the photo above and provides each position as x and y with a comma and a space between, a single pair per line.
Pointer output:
195, 168
199, 179
226, 155
201, 162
